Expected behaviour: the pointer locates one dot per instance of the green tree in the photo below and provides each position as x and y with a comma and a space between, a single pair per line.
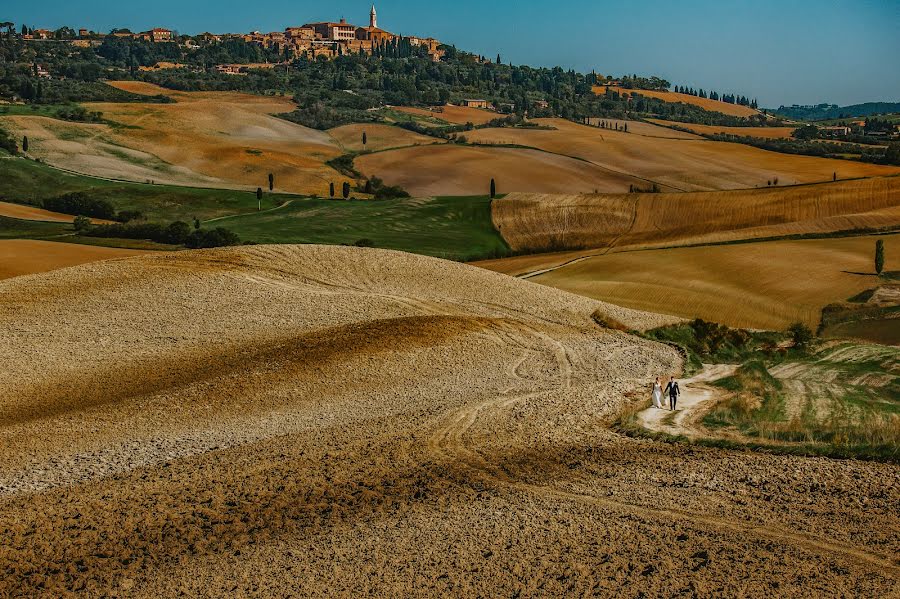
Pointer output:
196, 224
346, 190
365, 139
82, 223
271, 181
25, 143
259, 198
879, 256
493, 189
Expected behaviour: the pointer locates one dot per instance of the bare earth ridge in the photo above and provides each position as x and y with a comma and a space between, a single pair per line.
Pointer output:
344, 421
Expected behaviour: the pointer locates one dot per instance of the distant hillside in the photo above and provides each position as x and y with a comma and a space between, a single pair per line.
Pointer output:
832, 111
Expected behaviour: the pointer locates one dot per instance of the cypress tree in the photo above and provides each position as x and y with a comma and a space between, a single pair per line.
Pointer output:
346, 190
25, 143
331, 189
258, 198
271, 181
365, 139
493, 189
879, 256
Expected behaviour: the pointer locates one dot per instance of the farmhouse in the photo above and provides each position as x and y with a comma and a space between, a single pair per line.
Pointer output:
475, 103
835, 131
155, 35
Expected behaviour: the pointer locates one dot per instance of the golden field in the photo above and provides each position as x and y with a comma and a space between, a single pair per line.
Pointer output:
545, 222
309, 421
213, 139
704, 103
654, 155
27, 256
451, 169
378, 137
761, 132
765, 285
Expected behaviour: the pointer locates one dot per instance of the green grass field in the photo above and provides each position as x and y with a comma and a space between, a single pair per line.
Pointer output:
26, 181
458, 228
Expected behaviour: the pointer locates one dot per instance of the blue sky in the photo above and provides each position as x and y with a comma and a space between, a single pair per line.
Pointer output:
782, 52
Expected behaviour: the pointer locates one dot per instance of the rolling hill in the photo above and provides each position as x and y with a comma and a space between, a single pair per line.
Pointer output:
324, 420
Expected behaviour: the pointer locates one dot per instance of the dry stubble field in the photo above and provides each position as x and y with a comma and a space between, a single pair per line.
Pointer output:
342, 421
766, 285
575, 158
212, 139
592, 224
764, 132
28, 256
668, 96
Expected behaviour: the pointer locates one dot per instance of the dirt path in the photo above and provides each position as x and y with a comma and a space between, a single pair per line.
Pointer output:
696, 397
450, 441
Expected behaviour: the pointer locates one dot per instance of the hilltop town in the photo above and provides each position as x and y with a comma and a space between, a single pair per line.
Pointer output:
310, 40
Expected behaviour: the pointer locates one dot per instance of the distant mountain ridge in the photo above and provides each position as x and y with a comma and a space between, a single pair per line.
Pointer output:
823, 112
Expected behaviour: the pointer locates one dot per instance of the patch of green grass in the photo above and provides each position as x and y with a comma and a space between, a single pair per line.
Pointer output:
48, 110
30, 182
458, 228
14, 228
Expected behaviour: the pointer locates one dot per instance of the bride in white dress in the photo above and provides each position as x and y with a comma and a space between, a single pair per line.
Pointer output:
657, 394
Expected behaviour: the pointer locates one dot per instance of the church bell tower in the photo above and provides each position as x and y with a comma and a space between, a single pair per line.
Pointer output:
373, 18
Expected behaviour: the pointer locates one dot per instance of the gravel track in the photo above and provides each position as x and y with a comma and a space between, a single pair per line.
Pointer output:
312, 421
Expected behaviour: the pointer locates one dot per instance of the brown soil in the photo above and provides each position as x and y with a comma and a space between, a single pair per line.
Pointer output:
339, 421
378, 137
25, 256
25, 212
450, 169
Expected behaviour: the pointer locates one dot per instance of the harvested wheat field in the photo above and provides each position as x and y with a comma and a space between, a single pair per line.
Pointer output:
341, 421
640, 128
213, 139
704, 103
761, 132
450, 169
378, 137
26, 212
650, 156
27, 256
539, 222
451, 113
766, 285
95, 149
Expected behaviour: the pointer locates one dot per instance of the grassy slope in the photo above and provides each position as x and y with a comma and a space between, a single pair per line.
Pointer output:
28, 181
456, 228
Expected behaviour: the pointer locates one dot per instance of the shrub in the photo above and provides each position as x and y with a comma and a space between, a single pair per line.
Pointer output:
364, 243
78, 203
801, 335
126, 216
7, 143
176, 233
82, 223
218, 237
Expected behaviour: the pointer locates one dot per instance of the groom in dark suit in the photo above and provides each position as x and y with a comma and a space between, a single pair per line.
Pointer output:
673, 391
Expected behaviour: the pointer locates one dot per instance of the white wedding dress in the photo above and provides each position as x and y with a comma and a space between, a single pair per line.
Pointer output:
657, 395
